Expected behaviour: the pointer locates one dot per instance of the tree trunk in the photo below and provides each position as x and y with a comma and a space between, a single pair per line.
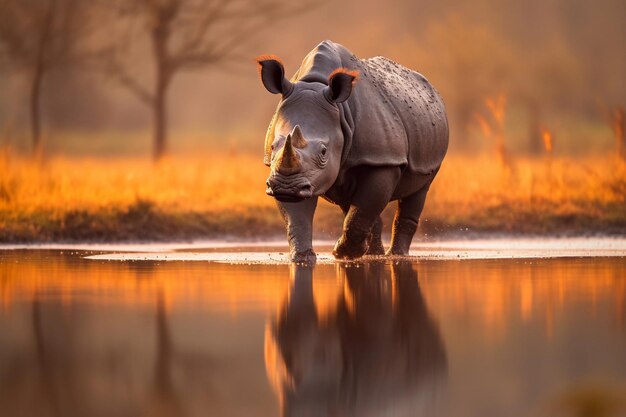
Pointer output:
35, 111
160, 39
160, 120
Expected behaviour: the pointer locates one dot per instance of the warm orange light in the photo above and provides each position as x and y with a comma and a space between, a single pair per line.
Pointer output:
493, 127
546, 135
488, 297
99, 197
497, 108
485, 128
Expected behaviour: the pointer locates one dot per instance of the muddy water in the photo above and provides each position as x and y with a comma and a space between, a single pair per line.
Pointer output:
495, 337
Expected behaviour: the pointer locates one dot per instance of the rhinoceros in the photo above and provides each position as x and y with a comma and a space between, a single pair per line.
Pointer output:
359, 133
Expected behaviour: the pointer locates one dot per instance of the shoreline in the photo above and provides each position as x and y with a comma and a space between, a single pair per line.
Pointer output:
278, 238
484, 242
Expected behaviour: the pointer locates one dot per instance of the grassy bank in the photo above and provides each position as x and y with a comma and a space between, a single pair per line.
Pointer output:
223, 195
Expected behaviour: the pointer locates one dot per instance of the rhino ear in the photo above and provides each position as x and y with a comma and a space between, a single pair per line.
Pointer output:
340, 83
272, 75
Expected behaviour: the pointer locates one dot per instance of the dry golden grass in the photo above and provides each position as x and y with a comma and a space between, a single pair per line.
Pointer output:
223, 194
130, 198
532, 195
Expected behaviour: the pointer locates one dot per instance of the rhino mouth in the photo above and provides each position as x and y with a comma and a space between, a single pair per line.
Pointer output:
286, 198
288, 191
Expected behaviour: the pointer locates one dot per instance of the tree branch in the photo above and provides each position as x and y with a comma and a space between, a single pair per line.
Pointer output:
248, 21
115, 70
205, 22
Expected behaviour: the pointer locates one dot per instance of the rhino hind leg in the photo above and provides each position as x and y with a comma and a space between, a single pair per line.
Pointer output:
406, 220
356, 245
375, 241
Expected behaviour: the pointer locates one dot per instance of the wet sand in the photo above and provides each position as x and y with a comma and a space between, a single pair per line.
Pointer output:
276, 252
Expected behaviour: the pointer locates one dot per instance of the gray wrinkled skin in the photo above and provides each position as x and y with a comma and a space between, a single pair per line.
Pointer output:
359, 141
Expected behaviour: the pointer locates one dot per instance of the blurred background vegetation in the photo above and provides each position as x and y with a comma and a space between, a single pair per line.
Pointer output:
101, 67
535, 93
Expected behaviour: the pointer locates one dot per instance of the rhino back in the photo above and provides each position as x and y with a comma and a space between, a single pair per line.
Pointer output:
394, 116
413, 112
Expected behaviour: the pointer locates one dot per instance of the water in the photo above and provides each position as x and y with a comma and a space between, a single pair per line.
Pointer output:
476, 337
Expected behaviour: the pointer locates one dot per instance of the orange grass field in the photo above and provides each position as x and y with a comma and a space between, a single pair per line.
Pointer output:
223, 195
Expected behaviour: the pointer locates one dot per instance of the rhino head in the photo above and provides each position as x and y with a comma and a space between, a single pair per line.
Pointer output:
304, 142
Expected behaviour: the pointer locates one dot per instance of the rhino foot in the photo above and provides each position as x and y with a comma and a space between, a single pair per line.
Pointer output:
397, 252
349, 250
306, 257
375, 249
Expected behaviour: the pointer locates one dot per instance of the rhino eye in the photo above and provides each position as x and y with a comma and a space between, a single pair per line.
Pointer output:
323, 150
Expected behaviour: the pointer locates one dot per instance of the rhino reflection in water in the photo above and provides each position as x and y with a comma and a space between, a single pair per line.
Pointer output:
378, 353
358, 145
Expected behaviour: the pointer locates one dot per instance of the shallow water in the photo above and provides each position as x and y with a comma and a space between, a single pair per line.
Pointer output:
428, 336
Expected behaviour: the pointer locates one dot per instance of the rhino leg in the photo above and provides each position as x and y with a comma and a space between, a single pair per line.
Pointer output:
372, 194
299, 223
406, 220
375, 241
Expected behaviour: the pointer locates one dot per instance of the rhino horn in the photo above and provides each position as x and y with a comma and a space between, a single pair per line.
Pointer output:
297, 138
288, 161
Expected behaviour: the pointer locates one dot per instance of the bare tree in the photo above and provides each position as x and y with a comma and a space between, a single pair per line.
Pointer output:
38, 36
187, 35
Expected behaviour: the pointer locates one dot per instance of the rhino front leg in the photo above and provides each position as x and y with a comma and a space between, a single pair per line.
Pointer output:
372, 194
299, 223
